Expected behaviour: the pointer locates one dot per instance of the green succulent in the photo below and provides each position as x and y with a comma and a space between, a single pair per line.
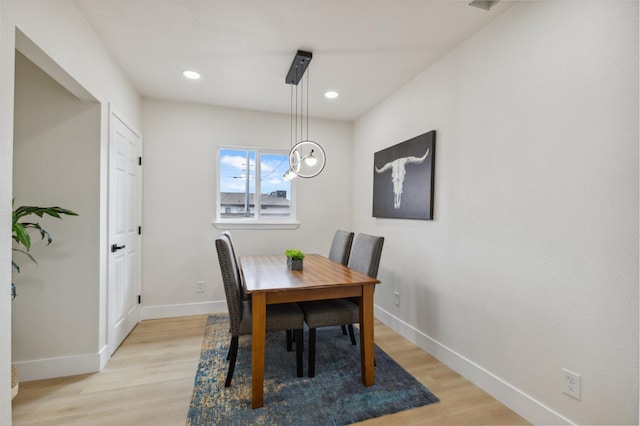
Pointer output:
294, 254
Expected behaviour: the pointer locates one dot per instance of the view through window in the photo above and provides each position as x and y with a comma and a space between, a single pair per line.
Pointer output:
243, 173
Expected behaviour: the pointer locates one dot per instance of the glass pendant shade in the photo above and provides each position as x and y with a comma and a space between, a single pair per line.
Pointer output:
289, 174
307, 159
311, 160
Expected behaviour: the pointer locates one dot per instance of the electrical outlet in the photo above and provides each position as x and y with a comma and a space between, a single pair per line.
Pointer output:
571, 383
200, 287
396, 298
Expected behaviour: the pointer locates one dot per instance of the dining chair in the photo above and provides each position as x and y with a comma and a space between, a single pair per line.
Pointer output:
279, 317
241, 287
341, 247
365, 258
339, 252
240, 277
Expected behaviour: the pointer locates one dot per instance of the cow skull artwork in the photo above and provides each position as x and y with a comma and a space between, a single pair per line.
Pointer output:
398, 171
411, 165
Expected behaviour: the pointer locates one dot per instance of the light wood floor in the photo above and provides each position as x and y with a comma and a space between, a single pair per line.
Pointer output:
149, 381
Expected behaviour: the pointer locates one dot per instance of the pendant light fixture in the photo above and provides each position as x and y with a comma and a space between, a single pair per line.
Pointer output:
306, 157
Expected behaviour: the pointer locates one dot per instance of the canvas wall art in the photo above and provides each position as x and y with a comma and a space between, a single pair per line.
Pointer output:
403, 179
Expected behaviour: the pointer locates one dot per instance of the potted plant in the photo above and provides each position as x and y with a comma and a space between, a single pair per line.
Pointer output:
22, 239
294, 258
21, 226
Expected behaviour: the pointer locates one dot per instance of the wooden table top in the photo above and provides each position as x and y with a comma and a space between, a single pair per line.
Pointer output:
271, 273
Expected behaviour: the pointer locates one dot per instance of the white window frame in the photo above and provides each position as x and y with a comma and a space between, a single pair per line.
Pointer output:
256, 222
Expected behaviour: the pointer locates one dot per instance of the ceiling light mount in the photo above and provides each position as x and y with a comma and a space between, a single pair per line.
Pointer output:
298, 67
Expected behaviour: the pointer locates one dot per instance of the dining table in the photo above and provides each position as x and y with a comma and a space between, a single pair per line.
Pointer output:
269, 280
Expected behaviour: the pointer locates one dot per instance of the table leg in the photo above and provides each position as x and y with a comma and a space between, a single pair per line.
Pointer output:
259, 317
366, 335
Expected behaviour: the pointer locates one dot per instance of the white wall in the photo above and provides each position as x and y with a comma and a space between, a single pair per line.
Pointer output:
531, 263
6, 155
179, 198
69, 47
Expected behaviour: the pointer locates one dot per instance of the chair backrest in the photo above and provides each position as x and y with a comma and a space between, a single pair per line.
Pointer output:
366, 253
341, 247
239, 275
227, 235
229, 280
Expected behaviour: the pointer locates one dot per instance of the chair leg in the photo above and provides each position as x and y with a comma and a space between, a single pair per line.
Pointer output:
289, 340
344, 329
352, 335
233, 351
312, 352
299, 347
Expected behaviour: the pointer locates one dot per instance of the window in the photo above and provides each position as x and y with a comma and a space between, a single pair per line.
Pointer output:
245, 172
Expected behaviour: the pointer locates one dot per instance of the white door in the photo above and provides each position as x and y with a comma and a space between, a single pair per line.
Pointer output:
125, 177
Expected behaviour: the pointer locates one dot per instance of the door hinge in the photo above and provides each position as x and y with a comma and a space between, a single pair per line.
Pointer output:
139, 299
139, 161
139, 230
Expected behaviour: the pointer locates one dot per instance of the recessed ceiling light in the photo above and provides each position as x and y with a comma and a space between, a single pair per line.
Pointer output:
190, 74
331, 94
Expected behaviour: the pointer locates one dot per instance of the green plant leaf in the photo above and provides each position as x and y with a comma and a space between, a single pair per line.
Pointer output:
21, 236
20, 228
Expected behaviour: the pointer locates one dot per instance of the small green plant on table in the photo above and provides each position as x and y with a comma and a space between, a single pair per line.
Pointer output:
294, 258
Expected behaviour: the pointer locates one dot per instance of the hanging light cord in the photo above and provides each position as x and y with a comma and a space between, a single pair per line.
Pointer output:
301, 108
308, 72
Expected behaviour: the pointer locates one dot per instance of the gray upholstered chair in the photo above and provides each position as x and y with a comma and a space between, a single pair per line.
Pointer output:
240, 277
341, 247
285, 316
339, 252
365, 258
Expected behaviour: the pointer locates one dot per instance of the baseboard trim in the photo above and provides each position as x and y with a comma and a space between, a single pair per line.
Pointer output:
524, 405
104, 356
49, 368
183, 310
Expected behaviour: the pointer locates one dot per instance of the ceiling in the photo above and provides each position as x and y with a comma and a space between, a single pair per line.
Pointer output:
363, 49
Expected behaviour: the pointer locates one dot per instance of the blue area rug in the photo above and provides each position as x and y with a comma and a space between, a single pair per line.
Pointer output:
336, 396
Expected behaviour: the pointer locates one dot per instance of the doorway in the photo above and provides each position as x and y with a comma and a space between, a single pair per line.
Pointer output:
55, 163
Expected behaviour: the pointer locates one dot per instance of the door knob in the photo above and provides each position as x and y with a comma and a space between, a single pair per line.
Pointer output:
115, 247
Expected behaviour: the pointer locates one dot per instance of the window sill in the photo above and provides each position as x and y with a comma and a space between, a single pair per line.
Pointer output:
256, 225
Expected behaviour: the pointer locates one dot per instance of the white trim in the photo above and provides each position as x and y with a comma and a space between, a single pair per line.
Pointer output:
256, 225
183, 310
524, 405
104, 356
48, 368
